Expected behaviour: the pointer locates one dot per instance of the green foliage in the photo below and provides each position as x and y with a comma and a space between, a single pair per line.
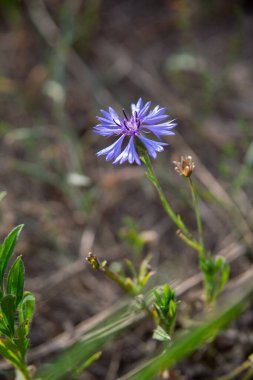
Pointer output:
15, 282
216, 274
17, 307
8, 309
6, 250
132, 285
165, 309
10, 352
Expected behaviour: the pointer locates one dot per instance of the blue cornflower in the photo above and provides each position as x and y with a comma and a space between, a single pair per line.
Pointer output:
140, 123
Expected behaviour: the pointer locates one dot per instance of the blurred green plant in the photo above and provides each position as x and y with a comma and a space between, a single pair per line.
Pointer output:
216, 274
131, 236
17, 308
132, 285
165, 309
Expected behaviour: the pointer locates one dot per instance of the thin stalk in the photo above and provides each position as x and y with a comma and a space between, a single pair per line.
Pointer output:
198, 218
192, 243
186, 235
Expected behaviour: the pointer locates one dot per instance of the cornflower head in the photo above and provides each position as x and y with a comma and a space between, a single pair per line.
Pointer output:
134, 127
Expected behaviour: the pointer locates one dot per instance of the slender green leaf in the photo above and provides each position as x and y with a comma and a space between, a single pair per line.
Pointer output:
3, 329
15, 282
6, 250
87, 363
8, 307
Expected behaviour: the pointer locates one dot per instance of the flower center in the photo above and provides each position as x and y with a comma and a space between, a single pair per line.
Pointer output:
132, 125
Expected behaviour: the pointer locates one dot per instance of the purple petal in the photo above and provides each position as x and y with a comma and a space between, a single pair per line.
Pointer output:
106, 114
105, 121
169, 125
160, 129
154, 119
152, 146
158, 132
155, 113
136, 107
128, 154
107, 130
114, 114
112, 151
144, 110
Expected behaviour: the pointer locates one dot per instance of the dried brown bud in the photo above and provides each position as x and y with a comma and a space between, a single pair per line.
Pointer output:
185, 166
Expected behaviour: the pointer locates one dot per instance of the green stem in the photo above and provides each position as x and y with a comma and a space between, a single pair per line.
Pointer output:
186, 235
198, 218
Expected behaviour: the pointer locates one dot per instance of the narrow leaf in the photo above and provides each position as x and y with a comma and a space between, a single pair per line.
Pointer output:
88, 363
3, 329
15, 282
6, 250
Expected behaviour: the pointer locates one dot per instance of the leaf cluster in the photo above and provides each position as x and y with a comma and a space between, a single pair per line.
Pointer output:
216, 274
16, 305
165, 309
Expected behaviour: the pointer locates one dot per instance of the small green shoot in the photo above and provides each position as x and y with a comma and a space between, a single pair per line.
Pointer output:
164, 312
132, 285
216, 274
